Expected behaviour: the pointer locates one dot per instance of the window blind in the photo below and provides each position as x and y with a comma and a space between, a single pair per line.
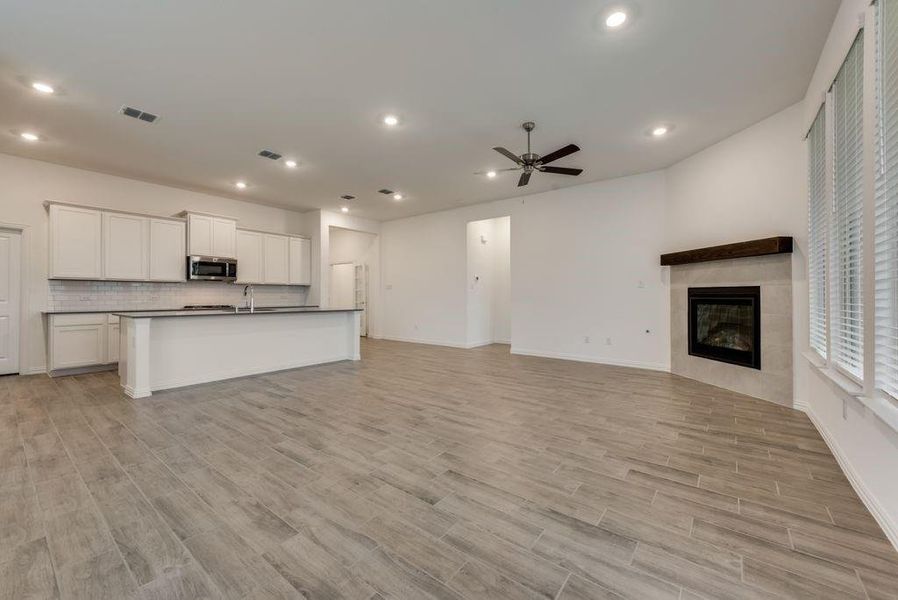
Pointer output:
846, 275
817, 232
885, 257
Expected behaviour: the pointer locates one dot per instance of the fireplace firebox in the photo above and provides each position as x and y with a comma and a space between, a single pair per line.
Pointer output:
725, 324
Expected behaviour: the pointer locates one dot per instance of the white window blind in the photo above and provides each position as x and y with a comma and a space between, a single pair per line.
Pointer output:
846, 276
886, 231
817, 232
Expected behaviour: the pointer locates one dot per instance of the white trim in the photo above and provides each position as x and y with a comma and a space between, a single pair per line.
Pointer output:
422, 341
591, 359
40, 370
889, 527
24, 293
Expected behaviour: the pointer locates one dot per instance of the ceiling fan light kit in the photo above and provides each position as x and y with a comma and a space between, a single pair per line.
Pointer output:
530, 161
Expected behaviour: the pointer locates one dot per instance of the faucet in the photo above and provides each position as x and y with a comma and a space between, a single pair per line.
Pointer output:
251, 302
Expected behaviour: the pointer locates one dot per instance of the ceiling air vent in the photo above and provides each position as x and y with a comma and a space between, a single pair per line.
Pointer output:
136, 113
269, 154
348, 197
385, 191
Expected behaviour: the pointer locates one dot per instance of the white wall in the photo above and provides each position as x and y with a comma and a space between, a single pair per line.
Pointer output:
501, 285
488, 281
584, 262
26, 184
350, 246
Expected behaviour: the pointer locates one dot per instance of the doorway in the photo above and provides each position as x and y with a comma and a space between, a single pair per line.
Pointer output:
352, 255
10, 298
489, 282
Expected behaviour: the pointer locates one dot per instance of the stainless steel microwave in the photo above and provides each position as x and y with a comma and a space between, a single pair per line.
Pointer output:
211, 268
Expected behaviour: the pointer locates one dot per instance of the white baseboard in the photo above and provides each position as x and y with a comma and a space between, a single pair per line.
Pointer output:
423, 341
33, 370
479, 344
591, 359
876, 509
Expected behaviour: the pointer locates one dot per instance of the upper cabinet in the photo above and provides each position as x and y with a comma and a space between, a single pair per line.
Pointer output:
300, 261
87, 243
126, 243
168, 256
249, 256
277, 259
208, 235
76, 242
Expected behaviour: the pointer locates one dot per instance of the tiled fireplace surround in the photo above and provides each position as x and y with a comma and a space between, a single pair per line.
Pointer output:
117, 295
773, 273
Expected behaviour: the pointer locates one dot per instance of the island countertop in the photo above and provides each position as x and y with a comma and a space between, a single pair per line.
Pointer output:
241, 312
117, 311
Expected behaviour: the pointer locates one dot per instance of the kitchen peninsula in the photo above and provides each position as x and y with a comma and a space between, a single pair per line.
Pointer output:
174, 348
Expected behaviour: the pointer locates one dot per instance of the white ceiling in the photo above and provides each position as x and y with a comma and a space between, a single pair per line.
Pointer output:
311, 78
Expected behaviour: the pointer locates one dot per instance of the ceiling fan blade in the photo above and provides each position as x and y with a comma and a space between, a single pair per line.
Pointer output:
524, 180
507, 153
561, 170
560, 153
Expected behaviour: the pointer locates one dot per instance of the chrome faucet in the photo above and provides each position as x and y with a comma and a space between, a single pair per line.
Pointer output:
251, 302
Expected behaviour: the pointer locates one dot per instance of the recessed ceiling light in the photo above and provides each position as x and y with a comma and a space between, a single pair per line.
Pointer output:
490, 174
344, 209
31, 137
397, 196
43, 88
616, 19
291, 164
391, 120
241, 185
660, 131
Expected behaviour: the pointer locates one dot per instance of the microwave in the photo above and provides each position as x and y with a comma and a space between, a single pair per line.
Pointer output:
211, 268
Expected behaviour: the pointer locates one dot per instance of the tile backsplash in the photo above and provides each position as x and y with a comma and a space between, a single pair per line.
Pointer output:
120, 295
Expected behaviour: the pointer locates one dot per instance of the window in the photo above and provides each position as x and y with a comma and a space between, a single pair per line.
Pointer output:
817, 231
846, 275
886, 199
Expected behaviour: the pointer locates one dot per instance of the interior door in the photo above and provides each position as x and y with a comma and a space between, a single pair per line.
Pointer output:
361, 296
10, 285
342, 288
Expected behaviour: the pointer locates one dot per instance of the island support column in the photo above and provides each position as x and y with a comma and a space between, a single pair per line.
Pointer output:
134, 368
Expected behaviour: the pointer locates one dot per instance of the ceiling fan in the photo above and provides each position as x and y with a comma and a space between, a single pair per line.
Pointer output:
531, 162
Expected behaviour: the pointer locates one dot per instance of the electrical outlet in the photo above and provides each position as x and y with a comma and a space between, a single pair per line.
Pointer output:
585, 339
416, 327
607, 341
641, 284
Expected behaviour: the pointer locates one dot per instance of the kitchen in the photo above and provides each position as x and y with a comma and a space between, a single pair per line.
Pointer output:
88, 244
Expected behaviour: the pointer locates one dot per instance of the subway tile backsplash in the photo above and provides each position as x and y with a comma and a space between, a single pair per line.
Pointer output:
119, 295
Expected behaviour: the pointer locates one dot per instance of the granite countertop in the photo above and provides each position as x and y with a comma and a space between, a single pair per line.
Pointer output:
143, 310
230, 313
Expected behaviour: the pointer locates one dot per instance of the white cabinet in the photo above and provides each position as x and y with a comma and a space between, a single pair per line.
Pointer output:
208, 235
126, 248
167, 250
82, 340
112, 339
300, 261
249, 256
276, 254
76, 243
77, 340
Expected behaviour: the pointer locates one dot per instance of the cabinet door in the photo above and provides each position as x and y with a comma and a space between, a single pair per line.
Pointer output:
76, 243
276, 253
249, 257
77, 340
125, 247
224, 238
300, 261
112, 341
199, 235
167, 255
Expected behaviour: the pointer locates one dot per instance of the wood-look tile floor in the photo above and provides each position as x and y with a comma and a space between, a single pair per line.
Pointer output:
424, 472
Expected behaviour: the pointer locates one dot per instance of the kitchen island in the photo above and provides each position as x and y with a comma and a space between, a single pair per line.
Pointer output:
173, 348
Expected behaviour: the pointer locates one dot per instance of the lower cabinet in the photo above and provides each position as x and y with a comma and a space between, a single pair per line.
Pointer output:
82, 340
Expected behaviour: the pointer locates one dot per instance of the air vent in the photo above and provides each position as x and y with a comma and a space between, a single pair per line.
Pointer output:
269, 154
348, 197
141, 115
385, 191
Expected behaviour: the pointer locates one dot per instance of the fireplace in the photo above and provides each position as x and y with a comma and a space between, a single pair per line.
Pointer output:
725, 324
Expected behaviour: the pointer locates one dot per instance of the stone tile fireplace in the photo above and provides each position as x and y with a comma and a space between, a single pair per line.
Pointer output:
731, 322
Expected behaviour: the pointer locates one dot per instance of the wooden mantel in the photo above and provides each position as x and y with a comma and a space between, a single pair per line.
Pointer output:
763, 247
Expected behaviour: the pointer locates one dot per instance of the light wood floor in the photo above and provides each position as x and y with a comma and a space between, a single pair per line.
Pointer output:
425, 472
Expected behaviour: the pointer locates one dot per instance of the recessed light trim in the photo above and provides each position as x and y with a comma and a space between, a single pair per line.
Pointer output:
43, 88
344, 209
491, 174
391, 120
397, 196
290, 164
616, 19
660, 131
29, 137
240, 185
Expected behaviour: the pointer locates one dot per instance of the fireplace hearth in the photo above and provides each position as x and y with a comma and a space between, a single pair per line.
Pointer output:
725, 324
